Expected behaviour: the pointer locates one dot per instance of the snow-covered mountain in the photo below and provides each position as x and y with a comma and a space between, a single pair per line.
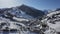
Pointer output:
22, 11
29, 19
23, 17
31, 11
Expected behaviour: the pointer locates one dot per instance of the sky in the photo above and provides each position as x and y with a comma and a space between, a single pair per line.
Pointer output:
38, 4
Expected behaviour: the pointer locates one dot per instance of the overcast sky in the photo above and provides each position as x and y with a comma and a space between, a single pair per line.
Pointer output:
38, 4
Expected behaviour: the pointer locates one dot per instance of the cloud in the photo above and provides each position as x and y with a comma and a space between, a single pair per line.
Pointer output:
9, 3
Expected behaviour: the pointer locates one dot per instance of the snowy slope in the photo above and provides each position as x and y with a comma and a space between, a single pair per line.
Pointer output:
52, 20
